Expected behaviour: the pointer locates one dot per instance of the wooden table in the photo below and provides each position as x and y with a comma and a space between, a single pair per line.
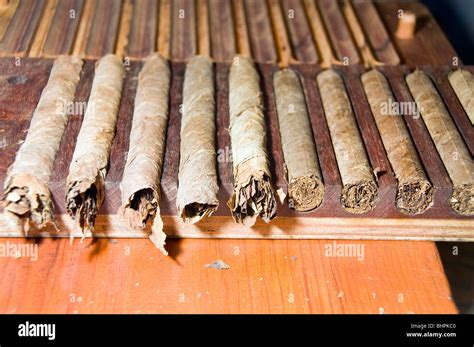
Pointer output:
265, 276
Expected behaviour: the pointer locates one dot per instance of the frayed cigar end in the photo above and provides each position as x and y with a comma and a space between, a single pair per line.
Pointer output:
414, 197
462, 200
140, 207
83, 200
28, 200
305, 193
256, 198
158, 236
194, 212
359, 198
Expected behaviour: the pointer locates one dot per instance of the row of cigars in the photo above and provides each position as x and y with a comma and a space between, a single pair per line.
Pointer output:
27, 197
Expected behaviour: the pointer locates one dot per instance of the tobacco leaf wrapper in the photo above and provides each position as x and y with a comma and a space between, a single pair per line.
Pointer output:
140, 184
85, 182
27, 197
462, 81
360, 191
303, 174
415, 192
198, 190
448, 141
253, 194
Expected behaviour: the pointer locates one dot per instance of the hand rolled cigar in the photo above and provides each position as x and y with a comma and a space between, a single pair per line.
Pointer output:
360, 191
85, 182
448, 141
198, 190
140, 184
462, 81
253, 192
27, 197
415, 192
303, 174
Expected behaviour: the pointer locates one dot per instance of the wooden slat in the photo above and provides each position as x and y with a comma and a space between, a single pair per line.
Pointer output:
164, 29
241, 29
43, 29
112, 226
20, 32
183, 30
223, 43
338, 31
203, 37
260, 31
304, 49
375, 32
121, 47
143, 31
6, 15
63, 29
282, 43
103, 32
84, 28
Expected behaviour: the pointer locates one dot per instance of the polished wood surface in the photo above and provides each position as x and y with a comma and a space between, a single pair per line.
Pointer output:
130, 276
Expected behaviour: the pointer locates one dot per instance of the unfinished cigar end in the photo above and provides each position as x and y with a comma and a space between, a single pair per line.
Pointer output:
26, 199
462, 200
158, 236
140, 207
194, 212
415, 197
83, 200
305, 193
254, 199
359, 198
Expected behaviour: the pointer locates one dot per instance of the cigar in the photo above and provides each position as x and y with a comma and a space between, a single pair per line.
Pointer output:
360, 191
253, 194
27, 198
85, 182
448, 141
198, 190
462, 82
303, 174
415, 192
140, 184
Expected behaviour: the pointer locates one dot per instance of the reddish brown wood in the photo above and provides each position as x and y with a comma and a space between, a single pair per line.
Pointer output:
129, 276
338, 31
63, 29
223, 46
376, 33
143, 29
429, 46
21, 29
103, 33
260, 31
301, 38
183, 29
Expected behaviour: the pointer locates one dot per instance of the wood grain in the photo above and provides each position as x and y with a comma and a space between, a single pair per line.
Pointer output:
143, 30
223, 42
183, 30
18, 37
129, 276
63, 29
103, 32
